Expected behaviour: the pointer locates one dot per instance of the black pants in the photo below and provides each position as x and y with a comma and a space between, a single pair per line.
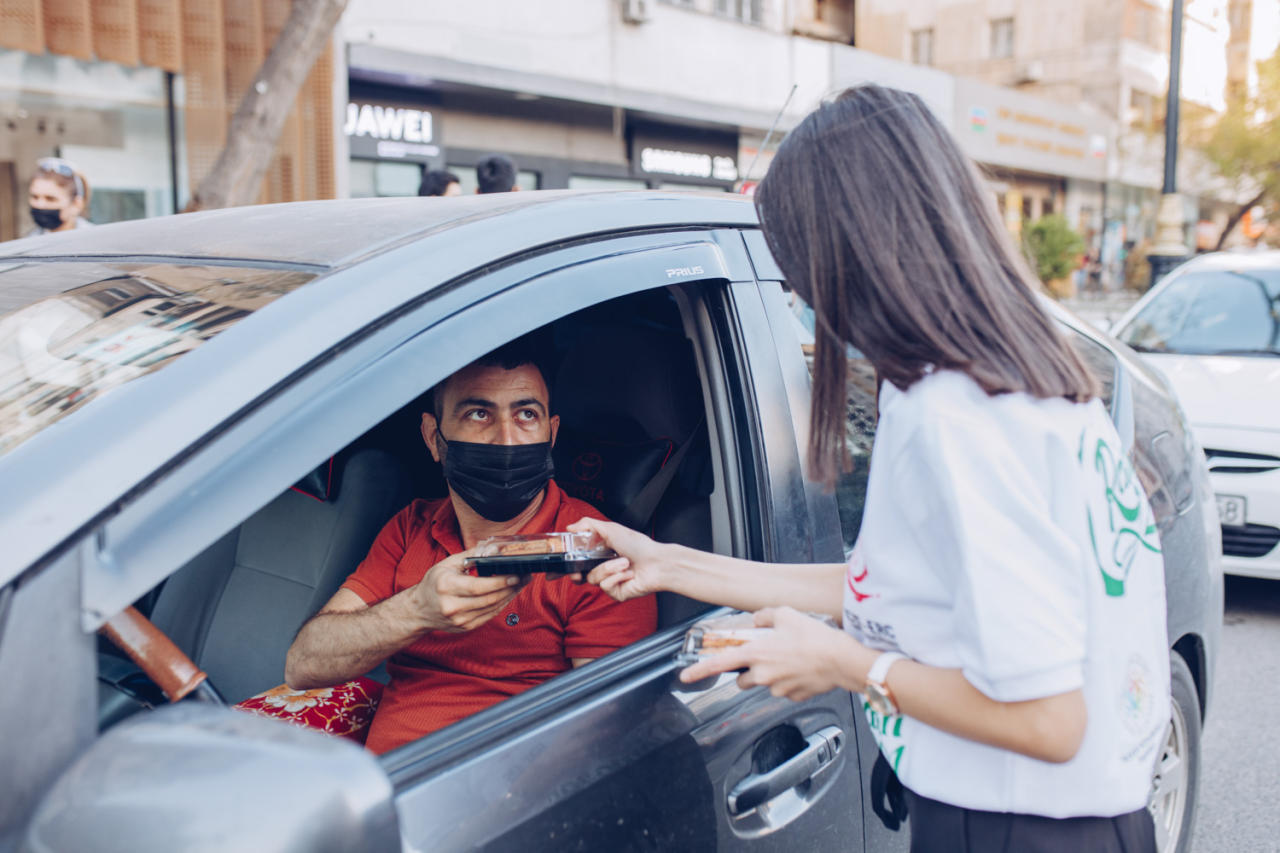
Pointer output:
937, 827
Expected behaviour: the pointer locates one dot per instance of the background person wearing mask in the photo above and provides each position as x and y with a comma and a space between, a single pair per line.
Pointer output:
1003, 610
58, 195
496, 174
440, 182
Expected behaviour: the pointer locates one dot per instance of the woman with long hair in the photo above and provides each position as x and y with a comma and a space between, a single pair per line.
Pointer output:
58, 195
1003, 610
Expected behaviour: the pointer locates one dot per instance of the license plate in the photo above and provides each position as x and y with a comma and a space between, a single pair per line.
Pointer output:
1231, 510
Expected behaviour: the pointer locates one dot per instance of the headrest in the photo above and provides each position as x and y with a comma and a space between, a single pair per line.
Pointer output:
644, 375
607, 474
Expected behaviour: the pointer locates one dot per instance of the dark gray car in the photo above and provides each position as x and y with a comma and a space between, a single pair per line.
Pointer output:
210, 416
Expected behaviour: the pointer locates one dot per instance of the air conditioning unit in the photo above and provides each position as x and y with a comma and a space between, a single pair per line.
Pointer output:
1031, 71
635, 11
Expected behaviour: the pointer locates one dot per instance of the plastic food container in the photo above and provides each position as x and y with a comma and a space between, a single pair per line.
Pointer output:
710, 637
562, 553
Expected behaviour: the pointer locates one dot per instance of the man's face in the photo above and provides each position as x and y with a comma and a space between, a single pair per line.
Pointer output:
454, 188
490, 405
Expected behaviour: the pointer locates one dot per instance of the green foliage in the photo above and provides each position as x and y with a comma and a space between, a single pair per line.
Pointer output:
1053, 246
1244, 143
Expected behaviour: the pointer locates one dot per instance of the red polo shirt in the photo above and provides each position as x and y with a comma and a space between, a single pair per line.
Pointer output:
444, 677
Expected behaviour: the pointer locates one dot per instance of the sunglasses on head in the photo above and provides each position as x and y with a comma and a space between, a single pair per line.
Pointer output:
58, 166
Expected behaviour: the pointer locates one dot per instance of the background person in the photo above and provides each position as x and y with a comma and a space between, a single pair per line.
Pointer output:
440, 182
58, 195
1003, 610
496, 174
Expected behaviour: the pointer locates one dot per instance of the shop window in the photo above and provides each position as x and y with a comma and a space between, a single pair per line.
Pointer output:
1001, 38
467, 179
922, 46
379, 178
107, 205
589, 182
747, 11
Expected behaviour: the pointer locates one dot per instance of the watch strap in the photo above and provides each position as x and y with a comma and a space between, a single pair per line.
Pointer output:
880, 667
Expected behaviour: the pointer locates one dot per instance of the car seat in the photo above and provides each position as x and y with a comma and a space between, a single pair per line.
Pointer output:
236, 607
629, 402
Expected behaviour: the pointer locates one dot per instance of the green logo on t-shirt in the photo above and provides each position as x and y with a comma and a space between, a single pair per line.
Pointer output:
1121, 524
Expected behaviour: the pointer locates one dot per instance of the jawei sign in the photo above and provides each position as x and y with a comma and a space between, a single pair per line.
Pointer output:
375, 130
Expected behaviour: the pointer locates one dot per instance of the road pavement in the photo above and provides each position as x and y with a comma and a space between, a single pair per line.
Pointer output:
1240, 774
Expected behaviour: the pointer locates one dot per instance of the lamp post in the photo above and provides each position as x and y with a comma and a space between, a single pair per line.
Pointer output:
1171, 247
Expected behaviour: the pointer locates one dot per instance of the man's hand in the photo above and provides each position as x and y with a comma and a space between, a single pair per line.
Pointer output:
449, 599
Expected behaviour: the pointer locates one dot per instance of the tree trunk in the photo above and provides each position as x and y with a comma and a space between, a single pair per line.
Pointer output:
1236, 217
236, 177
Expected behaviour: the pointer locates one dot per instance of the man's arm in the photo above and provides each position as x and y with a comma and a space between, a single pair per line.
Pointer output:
347, 638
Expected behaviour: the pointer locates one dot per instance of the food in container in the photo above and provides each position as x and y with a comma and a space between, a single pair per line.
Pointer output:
560, 553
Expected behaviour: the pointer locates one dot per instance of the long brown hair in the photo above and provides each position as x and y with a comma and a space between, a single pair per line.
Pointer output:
882, 225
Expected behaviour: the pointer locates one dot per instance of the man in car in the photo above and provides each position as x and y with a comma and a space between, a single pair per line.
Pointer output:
455, 643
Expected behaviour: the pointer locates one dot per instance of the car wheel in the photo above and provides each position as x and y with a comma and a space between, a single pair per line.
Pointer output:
1177, 774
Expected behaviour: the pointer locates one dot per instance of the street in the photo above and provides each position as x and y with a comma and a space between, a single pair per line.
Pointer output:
1240, 782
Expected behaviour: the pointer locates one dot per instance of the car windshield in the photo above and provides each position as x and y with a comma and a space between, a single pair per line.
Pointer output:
1220, 312
105, 324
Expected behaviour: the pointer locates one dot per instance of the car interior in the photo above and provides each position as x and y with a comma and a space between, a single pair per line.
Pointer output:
635, 442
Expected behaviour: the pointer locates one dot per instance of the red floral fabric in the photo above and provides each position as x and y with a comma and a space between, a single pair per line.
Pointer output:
345, 710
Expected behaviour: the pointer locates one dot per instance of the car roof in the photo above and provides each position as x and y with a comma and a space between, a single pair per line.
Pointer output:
54, 500
1238, 259
328, 234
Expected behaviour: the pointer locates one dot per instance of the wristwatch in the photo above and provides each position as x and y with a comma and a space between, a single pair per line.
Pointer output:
878, 694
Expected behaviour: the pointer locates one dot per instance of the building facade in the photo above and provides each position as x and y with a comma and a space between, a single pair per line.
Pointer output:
1109, 58
138, 94
668, 94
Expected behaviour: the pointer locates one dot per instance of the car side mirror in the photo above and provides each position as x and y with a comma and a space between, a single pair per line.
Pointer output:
193, 776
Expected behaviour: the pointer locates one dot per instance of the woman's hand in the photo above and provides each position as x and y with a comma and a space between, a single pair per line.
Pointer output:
800, 659
636, 570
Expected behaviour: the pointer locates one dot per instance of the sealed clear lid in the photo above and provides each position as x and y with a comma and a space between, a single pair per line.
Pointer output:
572, 546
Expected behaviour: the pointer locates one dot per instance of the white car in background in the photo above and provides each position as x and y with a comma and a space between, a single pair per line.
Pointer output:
1212, 327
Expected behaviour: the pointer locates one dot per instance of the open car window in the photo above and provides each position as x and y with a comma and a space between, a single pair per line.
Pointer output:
626, 384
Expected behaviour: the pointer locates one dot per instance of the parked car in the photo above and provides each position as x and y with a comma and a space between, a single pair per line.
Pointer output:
1212, 327
168, 387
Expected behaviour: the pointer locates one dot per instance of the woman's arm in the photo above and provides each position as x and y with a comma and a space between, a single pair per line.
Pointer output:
803, 658
646, 566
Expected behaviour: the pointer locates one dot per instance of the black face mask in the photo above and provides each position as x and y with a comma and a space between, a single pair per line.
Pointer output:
497, 480
47, 218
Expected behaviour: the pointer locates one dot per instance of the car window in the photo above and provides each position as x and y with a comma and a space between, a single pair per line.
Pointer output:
1100, 360
107, 324
627, 388
1203, 313
860, 424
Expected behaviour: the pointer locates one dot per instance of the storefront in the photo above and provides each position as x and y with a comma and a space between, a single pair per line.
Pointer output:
1042, 157
395, 133
120, 126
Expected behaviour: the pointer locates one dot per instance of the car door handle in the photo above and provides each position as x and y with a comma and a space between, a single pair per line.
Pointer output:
822, 748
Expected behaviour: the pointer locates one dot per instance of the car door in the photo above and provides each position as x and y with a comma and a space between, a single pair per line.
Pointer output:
619, 754
836, 517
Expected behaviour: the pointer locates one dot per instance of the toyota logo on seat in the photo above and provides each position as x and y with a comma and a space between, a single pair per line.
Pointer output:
587, 466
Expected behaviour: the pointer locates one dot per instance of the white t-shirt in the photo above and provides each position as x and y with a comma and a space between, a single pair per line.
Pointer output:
1009, 537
